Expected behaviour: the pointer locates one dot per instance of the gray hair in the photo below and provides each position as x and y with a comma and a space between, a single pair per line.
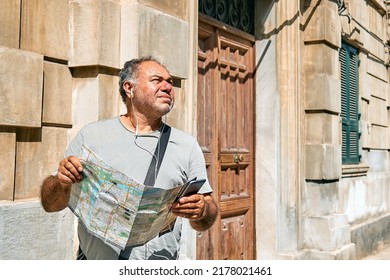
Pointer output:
129, 72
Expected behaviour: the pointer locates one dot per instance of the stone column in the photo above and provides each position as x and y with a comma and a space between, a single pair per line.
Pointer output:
278, 129
326, 231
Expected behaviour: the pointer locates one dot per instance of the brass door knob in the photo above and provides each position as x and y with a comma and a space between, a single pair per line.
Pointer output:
238, 158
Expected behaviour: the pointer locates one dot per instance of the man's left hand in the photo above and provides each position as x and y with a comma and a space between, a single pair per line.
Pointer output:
191, 207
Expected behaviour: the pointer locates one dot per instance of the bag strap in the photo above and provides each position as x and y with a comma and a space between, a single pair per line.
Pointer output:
151, 175
158, 154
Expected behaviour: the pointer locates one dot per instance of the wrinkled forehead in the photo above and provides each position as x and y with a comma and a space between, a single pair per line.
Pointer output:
152, 68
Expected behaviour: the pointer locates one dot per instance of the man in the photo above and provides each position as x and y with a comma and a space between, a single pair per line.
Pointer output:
127, 143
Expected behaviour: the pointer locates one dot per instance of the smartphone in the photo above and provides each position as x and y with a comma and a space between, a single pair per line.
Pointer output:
193, 187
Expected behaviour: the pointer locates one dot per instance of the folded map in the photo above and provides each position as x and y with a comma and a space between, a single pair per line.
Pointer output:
116, 208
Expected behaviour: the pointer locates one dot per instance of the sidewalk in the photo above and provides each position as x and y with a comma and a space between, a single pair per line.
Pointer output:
383, 254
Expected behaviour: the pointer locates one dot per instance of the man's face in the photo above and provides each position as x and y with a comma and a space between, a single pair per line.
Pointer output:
153, 94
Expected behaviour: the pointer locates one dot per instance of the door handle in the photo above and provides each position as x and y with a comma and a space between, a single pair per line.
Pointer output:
238, 158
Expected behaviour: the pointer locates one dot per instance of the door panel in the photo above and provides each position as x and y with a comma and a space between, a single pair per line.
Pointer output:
225, 132
206, 130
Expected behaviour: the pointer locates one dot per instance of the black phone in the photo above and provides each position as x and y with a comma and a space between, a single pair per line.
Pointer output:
192, 187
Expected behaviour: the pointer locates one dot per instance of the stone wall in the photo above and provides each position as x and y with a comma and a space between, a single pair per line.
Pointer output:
364, 189
310, 205
359, 193
326, 229
59, 66
357, 202
35, 118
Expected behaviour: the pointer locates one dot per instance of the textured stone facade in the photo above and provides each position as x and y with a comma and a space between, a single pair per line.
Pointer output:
59, 71
335, 211
35, 117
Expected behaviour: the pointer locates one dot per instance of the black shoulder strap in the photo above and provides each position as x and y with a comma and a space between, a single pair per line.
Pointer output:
158, 154
153, 171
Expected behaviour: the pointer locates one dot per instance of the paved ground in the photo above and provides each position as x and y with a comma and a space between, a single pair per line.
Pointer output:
383, 254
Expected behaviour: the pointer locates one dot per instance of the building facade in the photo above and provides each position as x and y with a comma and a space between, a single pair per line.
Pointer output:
289, 101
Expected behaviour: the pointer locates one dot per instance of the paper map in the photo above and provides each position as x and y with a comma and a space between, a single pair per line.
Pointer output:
117, 209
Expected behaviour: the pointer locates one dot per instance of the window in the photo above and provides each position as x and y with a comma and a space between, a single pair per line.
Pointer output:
237, 13
349, 64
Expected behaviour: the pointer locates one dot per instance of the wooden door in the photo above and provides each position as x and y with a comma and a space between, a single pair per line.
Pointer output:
226, 135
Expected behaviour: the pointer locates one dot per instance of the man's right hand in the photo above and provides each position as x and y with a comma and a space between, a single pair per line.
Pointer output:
69, 171
55, 190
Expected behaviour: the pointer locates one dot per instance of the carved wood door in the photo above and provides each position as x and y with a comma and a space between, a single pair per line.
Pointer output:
226, 134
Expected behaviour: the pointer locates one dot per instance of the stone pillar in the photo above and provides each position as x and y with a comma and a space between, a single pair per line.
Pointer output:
267, 134
288, 51
326, 231
278, 129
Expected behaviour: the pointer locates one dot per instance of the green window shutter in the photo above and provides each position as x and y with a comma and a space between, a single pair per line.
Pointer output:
349, 64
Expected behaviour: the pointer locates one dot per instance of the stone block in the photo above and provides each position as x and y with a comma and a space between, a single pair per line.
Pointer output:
379, 138
109, 35
177, 9
365, 130
95, 33
128, 33
377, 69
45, 27
109, 97
323, 92
57, 92
376, 22
378, 88
85, 101
27, 232
353, 199
10, 23
347, 252
21, 76
376, 49
38, 153
95, 96
327, 233
387, 93
372, 86
322, 161
165, 38
7, 163
378, 111
154, 33
321, 59
322, 129
320, 199
388, 129
324, 26
370, 237
365, 86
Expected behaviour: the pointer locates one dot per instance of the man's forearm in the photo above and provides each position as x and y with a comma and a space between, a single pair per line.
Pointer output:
209, 216
54, 196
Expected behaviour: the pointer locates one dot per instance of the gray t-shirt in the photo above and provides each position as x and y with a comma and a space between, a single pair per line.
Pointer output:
131, 154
